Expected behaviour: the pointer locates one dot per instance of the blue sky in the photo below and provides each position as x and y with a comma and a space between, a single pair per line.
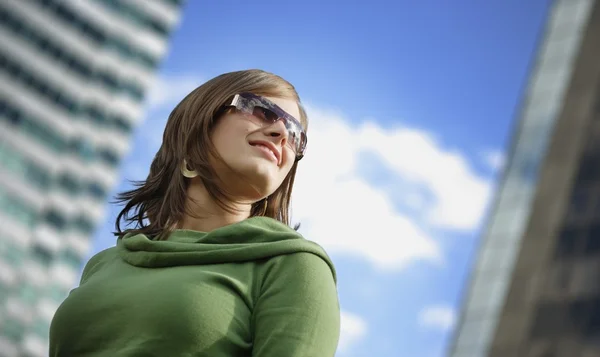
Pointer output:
411, 107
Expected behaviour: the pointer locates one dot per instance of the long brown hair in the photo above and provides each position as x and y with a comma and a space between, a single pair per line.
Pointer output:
157, 204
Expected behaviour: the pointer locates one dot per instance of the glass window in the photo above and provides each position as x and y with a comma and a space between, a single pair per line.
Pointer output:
592, 328
67, 182
592, 245
122, 124
570, 242
97, 115
84, 225
83, 149
56, 219
42, 255
97, 190
109, 157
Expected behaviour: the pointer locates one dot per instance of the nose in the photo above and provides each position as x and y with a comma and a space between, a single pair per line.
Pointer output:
278, 131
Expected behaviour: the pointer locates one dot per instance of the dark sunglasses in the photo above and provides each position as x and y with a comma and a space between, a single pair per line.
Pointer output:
270, 113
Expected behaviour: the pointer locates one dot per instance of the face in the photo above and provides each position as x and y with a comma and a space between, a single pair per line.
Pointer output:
257, 156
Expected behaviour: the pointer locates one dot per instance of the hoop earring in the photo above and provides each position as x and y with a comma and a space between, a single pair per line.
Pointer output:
187, 172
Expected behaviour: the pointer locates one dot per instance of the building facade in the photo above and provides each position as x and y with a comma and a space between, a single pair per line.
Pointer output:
73, 74
535, 286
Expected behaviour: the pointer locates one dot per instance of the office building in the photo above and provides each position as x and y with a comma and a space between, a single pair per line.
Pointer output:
73, 74
535, 286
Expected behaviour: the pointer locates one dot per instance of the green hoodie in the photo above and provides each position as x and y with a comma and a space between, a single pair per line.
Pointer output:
254, 288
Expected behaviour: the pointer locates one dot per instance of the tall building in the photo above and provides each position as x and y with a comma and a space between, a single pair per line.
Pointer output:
535, 286
73, 74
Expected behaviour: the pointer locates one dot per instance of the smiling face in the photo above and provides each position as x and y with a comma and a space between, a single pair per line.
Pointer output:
256, 156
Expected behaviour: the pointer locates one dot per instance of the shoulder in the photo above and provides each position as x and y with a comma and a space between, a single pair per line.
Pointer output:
304, 266
96, 262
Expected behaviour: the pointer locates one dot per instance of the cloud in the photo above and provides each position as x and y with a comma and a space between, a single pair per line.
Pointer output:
437, 317
495, 159
347, 214
353, 329
459, 194
170, 89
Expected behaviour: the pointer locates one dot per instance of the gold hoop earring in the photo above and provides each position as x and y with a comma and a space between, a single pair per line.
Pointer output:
187, 172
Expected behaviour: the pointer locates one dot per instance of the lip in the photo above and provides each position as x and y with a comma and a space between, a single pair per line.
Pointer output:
269, 146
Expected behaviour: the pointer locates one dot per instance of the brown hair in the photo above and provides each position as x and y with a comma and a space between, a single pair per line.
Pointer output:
157, 204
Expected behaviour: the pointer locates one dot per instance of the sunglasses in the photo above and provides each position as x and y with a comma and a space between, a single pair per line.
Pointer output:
269, 113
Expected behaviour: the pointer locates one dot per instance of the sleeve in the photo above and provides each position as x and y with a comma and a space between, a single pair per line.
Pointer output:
91, 266
297, 312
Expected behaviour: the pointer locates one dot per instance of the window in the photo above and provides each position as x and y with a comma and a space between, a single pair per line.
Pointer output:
592, 244
97, 190
589, 168
109, 157
55, 50
42, 255
135, 16
581, 199
56, 219
67, 182
592, 327
570, 242
122, 124
83, 149
84, 225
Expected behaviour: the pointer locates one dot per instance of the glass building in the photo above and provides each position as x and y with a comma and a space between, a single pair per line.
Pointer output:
73, 74
535, 286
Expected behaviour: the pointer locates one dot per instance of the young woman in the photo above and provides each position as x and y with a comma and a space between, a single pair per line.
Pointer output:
212, 267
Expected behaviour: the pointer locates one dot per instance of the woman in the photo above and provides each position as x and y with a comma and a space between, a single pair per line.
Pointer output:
212, 267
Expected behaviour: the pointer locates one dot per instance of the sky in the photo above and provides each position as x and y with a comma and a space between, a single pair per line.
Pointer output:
411, 108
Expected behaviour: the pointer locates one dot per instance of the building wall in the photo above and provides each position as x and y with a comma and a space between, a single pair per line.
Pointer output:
73, 75
542, 121
553, 308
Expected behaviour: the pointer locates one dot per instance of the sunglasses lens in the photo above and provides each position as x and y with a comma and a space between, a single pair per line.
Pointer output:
264, 114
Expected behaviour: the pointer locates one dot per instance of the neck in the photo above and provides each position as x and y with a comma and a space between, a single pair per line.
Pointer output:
204, 214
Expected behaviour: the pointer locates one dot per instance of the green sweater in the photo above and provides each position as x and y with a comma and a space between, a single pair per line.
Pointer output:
254, 288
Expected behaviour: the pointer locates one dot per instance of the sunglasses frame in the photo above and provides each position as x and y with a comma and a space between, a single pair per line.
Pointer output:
246, 102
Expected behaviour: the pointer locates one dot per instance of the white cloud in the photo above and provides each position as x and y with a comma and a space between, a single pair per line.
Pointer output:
438, 317
168, 90
495, 159
460, 195
347, 214
353, 329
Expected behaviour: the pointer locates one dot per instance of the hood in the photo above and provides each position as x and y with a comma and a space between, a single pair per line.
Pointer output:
251, 239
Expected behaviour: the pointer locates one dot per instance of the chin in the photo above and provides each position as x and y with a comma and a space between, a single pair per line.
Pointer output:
261, 181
